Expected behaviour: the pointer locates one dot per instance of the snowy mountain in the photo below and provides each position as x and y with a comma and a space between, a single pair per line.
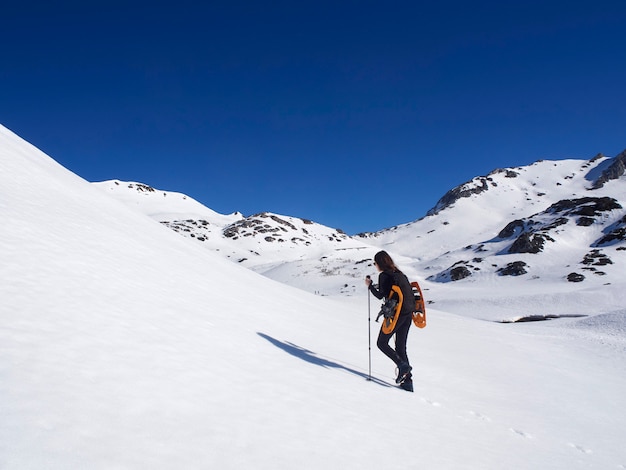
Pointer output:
289, 249
549, 223
125, 345
482, 208
557, 221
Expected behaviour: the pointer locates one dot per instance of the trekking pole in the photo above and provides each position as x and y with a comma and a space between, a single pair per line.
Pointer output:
369, 334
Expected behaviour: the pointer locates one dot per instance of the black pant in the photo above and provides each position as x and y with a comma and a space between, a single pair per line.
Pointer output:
401, 331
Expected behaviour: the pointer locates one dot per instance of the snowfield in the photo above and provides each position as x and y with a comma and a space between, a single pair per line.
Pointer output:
124, 345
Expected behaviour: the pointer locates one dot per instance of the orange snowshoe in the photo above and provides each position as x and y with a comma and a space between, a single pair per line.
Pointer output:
389, 323
419, 315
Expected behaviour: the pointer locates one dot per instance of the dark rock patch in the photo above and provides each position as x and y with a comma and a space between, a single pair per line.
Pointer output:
575, 277
459, 272
585, 221
529, 243
613, 172
596, 258
516, 268
461, 191
511, 229
586, 206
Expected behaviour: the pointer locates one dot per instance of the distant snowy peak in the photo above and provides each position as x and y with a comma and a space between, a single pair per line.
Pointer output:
164, 205
546, 174
477, 185
261, 235
187, 216
564, 218
262, 239
484, 202
265, 234
278, 228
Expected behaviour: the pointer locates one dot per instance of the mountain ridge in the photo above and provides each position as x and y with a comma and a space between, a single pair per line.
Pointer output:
540, 221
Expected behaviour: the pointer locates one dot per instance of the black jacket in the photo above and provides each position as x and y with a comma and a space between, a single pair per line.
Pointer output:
386, 279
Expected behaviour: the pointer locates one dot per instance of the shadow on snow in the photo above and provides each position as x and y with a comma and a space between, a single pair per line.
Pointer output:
313, 358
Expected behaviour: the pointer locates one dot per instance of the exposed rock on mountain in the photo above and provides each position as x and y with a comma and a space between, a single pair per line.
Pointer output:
615, 233
586, 206
516, 268
475, 186
456, 272
274, 228
529, 243
575, 277
596, 258
613, 172
532, 233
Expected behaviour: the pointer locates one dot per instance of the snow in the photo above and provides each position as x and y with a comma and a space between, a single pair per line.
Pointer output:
164, 205
124, 345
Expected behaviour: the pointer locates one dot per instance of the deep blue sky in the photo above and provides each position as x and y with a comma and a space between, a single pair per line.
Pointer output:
357, 114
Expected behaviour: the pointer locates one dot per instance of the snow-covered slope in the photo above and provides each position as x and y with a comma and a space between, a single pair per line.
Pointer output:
164, 205
480, 209
122, 345
125, 345
540, 229
292, 250
557, 222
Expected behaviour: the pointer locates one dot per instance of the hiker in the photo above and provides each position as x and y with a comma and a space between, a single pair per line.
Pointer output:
390, 275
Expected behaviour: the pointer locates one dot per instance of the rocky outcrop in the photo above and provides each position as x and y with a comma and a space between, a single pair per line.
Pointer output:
585, 206
512, 228
529, 243
272, 228
615, 234
459, 272
516, 268
613, 172
456, 272
596, 258
533, 233
575, 277
476, 186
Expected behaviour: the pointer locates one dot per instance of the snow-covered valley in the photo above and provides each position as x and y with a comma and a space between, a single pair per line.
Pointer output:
244, 342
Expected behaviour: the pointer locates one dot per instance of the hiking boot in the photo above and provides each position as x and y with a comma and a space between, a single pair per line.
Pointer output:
404, 369
407, 385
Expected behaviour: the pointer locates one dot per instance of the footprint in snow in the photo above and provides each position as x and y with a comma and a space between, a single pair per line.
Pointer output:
521, 433
430, 402
479, 416
580, 448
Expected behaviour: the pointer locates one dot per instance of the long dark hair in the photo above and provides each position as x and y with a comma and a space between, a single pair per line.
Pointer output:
384, 262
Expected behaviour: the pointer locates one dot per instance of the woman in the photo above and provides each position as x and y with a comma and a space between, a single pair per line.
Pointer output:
389, 276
